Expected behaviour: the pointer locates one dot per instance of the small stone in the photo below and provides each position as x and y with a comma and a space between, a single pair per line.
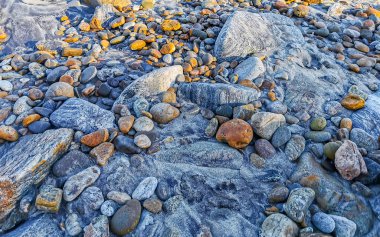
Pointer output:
72, 225
298, 203
6, 85
323, 222
265, 124
361, 47
98, 227
102, 153
301, 11
250, 69
137, 45
22, 105
125, 123
257, 160
67, 52
212, 127
77, 183
349, 162
279, 225
318, 136
318, 124
88, 74
153, 205
37, 70
353, 102
30, 119
142, 141
244, 112
278, 194
117, 22
295, 147
145, 189
281, 136
49, 199
143, 124
329, 149
8, 133
236, 132
164, 113
170, 25
117, 40
346, 123
119, 197
167, 48
108, 208
264, 148
126, 218
39, 126
169, 97
60, 89
126, 145
343, 226
95, 138
35, 94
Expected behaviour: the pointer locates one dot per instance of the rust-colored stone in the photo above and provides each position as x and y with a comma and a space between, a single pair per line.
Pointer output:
236, 132
95, 138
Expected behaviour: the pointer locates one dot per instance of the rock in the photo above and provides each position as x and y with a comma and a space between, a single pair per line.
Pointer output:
279, 225
72, 225
236, 132
108, 208
56, 73
153, 83
116, 3
145, 189
102, 14
153, 205
247, 33
126, 145
72, 52
88, 74
164, 113
348, 161
353, 102
281, 136
95, 138
170, 25
318, 136
264, 148
295, 147
137, 45
250, 69
212, 96
103, 153
78, 182
168, 48
298, 203
126, 218
71, 163
98, 227
265, 124
329, 149
142, 141
278, 194
364, 140
301, 11
39, 127
212, 127
49, 199
119, 197
6, 85
22, 105
35, 155
318, 124
143, 124
244, 112
8, 133
90, 200
323, 222
37, 70
60, 89
346, 123
82, 115
368, 117
343, 226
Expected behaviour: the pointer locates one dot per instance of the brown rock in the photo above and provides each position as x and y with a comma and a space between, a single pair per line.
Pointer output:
125, 123
30, 119
346, 123
35, 94
153, 205
103, 152
301, 11
349, 162
236, 132
49, 199
167, 48
353, 102
8, 133
169, 97
164, 113
60, 89
95, 138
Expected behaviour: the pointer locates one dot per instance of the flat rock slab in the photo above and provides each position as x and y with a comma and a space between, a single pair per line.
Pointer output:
150, 84
213, 95
247, 33
28, 162
82, 115
368, 118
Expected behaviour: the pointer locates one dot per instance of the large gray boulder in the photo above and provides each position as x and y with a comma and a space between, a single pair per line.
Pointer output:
247, 33
27, 163
82, 115
211, 96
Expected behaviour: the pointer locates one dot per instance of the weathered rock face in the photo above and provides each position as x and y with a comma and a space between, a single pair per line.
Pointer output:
247, 33
150, 84
348, 161
81, 115
28, 162
213, 95
332, 197
368, 118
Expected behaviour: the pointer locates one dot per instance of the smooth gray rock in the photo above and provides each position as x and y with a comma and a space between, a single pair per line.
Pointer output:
56, 73
247, 33
71, 163
343, 226
279, 225
298, 203
99, 227
368, 118
318, 136
265, 124
82, 115
72, 225
145, 189
211, 96
295, 147
150, 84
364, 139
323, 222
250, 69
281, 136
27, 162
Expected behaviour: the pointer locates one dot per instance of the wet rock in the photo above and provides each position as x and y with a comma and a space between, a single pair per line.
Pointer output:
236, 133
279, 225
250, 68
353, 102
78, 182
364, 140
295, 147
343, 226
145, 189
126, 218
323, 222
164, 113
265, 124
348, 161
82, 115
298, 203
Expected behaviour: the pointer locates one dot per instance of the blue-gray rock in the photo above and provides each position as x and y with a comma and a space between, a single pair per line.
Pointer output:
279, 225
250, 69
368, 118
56, 73
323, 222
145, 189
39, 126
364, 139
298, 203
98, 227
126, 145
88, 74
281, 136
277, 107
211, 96
295, 147
82, 115
318, 136
140, 105
264, 148
343, 226
71, 163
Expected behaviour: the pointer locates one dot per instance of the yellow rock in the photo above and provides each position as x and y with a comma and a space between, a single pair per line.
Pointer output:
147, 4
84, 26
140, 28
3, 35
67, 52
30, 119
72, 39
117, 22
137, 45
64, 18
170, 25
49, 199
373, 11
353, 102
167, 48
117, 40
8, 133
105, 44
301, 11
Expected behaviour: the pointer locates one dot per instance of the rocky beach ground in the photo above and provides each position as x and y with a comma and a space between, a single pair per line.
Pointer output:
221, 118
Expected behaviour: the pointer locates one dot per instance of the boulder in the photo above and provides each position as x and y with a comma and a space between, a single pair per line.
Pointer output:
82, 115
27, 163
247, 33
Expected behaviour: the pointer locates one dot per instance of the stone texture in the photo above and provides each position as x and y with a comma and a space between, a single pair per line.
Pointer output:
368, 117
35, 155
145, 189
71, 163
343, 226
81, 115
295, 147
49, 199
98, 227
164, 113
348, 161
265, 124
126, 218
250, 69
279, 225
363, 139
298, 203
236, 133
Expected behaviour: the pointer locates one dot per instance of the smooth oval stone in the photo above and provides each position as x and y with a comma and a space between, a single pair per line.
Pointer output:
88, 74
126, 145
126, 218
281, 136
318, 124
39, 126
45, 112
264, 148
323, 222
318, 136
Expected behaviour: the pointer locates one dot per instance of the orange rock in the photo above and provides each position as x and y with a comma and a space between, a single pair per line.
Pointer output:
373, 11
236, 132
167, 48
170, 25
353, 102
67, 78
137, 45
117, 22
102, 153
8, 133
105, 44
95, 138
301, 11
125, 123
30, 119
67, 52
187, 67
346, 123
169, 97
